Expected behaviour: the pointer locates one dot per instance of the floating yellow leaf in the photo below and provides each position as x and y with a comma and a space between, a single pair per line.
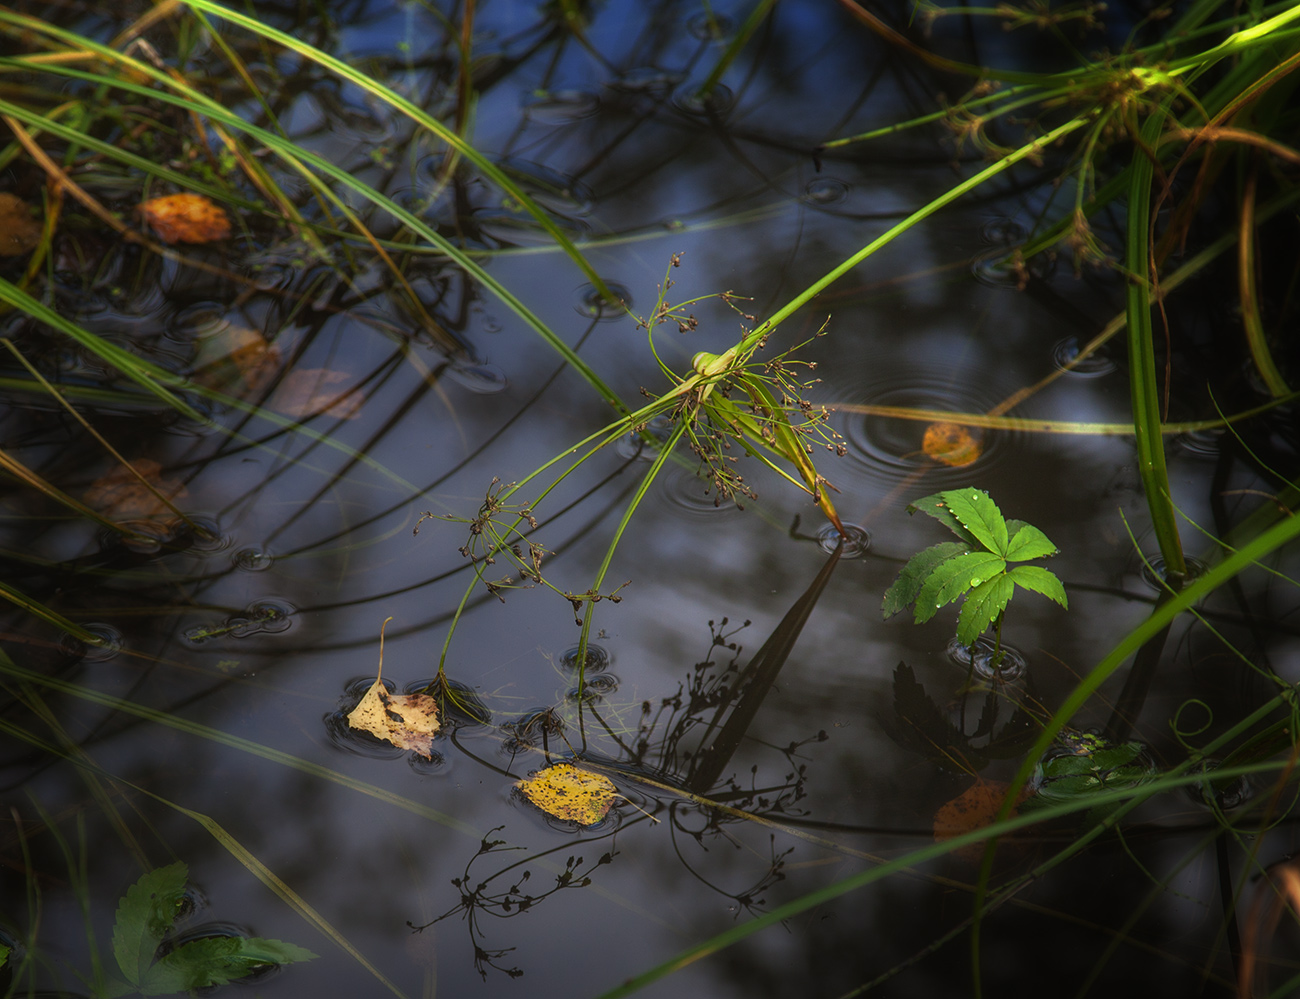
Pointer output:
19, 232
408, 721
570, 794
951, 444
974, 808
121, 495
186, 218
233, 352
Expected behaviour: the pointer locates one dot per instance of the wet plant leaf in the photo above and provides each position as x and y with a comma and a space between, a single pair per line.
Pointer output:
121, 495
144, 916
569, 793
217, 960
237, 352
934, 506
19, 232
983, 605
407, 721
951, 444
1029, 542
979, 515
1040, 580
907, 586
952, 578
186, 218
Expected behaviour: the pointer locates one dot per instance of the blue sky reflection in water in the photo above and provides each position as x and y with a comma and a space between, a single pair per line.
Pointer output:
269, 633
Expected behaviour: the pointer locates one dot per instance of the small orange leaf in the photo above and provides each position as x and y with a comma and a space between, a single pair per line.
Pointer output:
952, 444
186, 218
305, 393
122, 496
974, 808
236, 352
19, 232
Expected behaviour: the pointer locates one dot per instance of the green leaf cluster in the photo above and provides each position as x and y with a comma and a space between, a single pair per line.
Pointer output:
145, 917
975, 567
1084, 770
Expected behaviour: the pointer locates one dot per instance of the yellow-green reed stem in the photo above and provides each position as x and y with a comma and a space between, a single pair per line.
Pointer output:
1144, 378
665, 450
1249, 297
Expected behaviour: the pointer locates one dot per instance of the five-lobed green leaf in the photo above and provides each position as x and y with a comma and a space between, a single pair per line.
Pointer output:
946, 572
145, 917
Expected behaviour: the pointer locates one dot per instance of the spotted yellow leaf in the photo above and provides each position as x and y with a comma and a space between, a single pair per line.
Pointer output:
568, 793
407, 721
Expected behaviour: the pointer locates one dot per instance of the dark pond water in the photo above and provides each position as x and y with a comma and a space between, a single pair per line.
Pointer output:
209, 726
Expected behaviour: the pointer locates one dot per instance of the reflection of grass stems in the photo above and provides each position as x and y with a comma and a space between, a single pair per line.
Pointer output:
1028, 150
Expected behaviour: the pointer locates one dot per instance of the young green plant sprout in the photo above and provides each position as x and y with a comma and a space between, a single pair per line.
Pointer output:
976, 567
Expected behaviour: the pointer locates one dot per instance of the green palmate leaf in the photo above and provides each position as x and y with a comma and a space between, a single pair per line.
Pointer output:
979, 515
982, 607
217, 961
1040, 580
908, 585
953, 578
144, 916
1029, 542
934, 506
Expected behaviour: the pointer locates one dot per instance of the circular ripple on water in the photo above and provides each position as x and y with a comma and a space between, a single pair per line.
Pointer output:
1222, 794
205, 537
635, 445
1201, 443
598, 657
856, 540
649, 80
1003, 231
107, 643
825, 191
693, 495
482, 379
595, 687
716, 103
980, 659
1153, 571
1065, 356
590, 303
562, 107
461, 706
1000, 269
890, 447
558, 193
253, 559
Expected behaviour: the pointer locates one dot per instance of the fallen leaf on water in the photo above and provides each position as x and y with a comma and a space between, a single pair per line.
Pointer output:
974, 808
570, 794
19, 232
253, 359
122, 496
186, 218
407, 721
951, 444
305, 393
